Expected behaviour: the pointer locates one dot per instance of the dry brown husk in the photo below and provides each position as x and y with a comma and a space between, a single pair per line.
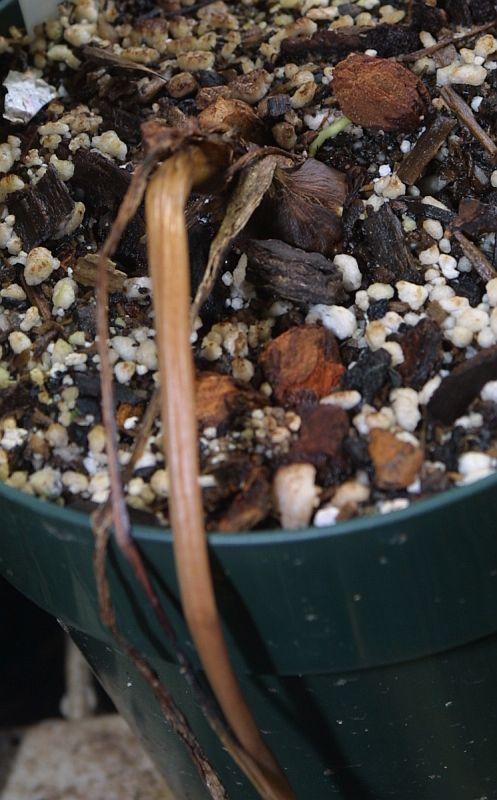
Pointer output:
305, 205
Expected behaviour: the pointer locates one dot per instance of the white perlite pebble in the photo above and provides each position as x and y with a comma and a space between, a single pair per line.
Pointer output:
429, 390
493, 179
489, 392
96, 439
415, 296
470, 74
13, 292
124, 371
146, 354
433, 228
405, 407
492, 291
110, 144
64, 293
486, 338
347, 399
125, 347
46, 482
380, 291
75, 482
474, 462
430, 255
40, 264
351, 492
338, 319
475, 319
296, 494
389, 186
19, 342
448, 266
32, 319
56, 435
485, 45
327, 515
459, 336
395, 351
349, 268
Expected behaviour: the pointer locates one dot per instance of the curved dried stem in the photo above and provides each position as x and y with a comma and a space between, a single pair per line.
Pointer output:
255, 180
169, 264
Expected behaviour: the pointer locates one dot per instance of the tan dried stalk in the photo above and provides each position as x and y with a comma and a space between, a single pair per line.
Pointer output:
166, 197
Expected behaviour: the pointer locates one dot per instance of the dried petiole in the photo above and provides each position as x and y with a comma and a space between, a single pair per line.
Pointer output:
169, 265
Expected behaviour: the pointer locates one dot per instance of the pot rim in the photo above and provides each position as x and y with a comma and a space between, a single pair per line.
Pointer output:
364, 524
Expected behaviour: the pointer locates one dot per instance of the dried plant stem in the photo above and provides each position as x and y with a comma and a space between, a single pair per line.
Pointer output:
479, 261
454, 39
466, 117
172, 713
120, 514
169, 264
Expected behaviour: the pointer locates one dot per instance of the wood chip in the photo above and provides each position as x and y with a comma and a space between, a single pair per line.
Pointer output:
425, 149
479, 261
291, 273
466, 117
218, 398
86, 270
303, 360
463, 385
322, 433
386, 242
396, 463
422, 349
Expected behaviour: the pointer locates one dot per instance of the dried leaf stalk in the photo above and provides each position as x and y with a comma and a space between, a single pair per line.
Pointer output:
255, 180
169, 264
120, 516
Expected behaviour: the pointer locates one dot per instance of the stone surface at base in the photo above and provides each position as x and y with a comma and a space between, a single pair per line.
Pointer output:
97, 758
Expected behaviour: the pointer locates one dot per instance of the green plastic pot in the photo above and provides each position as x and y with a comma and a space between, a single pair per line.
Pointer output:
368, 651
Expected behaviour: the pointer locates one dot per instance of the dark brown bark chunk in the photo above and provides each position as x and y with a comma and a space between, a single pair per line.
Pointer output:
426, 17
388, 248
387, 40
40, 209
422, 349
322, 434
463, 385
475, 217
302, 360
104, 185
292, 273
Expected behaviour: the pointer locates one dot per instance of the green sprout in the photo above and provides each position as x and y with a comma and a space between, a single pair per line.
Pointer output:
329, 132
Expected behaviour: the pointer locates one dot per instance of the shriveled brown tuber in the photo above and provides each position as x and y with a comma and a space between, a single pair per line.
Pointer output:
380, 94
169, 265
304, 206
